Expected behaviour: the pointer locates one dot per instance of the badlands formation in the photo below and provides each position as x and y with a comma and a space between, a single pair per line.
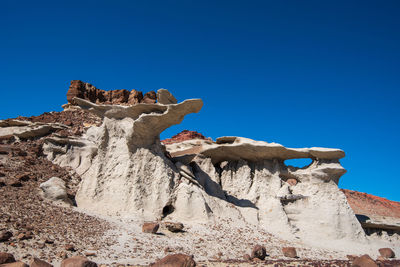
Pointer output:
230, 194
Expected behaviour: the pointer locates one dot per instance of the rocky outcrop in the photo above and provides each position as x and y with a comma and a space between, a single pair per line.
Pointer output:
126, 171
26, 129
88, 92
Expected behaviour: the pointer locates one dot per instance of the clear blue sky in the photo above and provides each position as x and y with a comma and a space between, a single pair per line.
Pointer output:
300, 73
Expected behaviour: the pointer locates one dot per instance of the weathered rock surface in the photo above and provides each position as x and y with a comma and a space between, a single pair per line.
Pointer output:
175, 260
27, 129
89, 92
165, 97
54, 189
129, 135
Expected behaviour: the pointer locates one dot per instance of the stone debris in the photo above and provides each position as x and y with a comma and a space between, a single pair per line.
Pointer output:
175, 260
150, 227
289, 252
259, 252
174, 227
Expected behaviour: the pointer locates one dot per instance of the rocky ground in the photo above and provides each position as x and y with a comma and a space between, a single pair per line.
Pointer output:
52, 233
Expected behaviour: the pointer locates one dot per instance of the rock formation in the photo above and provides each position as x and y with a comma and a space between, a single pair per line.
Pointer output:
124, 167
126, 171
88, 92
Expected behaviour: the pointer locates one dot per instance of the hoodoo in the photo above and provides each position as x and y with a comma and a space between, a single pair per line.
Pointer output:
127, 171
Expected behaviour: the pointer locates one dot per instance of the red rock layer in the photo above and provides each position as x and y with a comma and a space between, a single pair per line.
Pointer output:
366, 204
89, 92
183, 136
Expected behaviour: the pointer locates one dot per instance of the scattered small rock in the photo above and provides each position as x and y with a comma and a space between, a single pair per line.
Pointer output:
150, 227
291, 181
289, 252
175, 260
351, 257
259, 252
5, 236
6, 257
174, 227
69, 247
24, 236
387, 253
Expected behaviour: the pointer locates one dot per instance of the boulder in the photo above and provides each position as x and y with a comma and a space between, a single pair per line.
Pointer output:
15, 264
289, 252
364, 261
291, 181
150, 227
6, 257
174, 227
78, 261
175, 260
35, 262
259, 252
54, 189
387, 253
5, 236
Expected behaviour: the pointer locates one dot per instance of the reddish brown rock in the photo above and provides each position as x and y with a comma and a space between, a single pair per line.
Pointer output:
289, 252
387, 253
149, 98
259, 252
89, 92
78, 261
15, 264
35, 262
5, 236
183, 136
292, 181
175, 260
24, 236
174, 227
150, 227
364, 261
6, 258
135, 97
